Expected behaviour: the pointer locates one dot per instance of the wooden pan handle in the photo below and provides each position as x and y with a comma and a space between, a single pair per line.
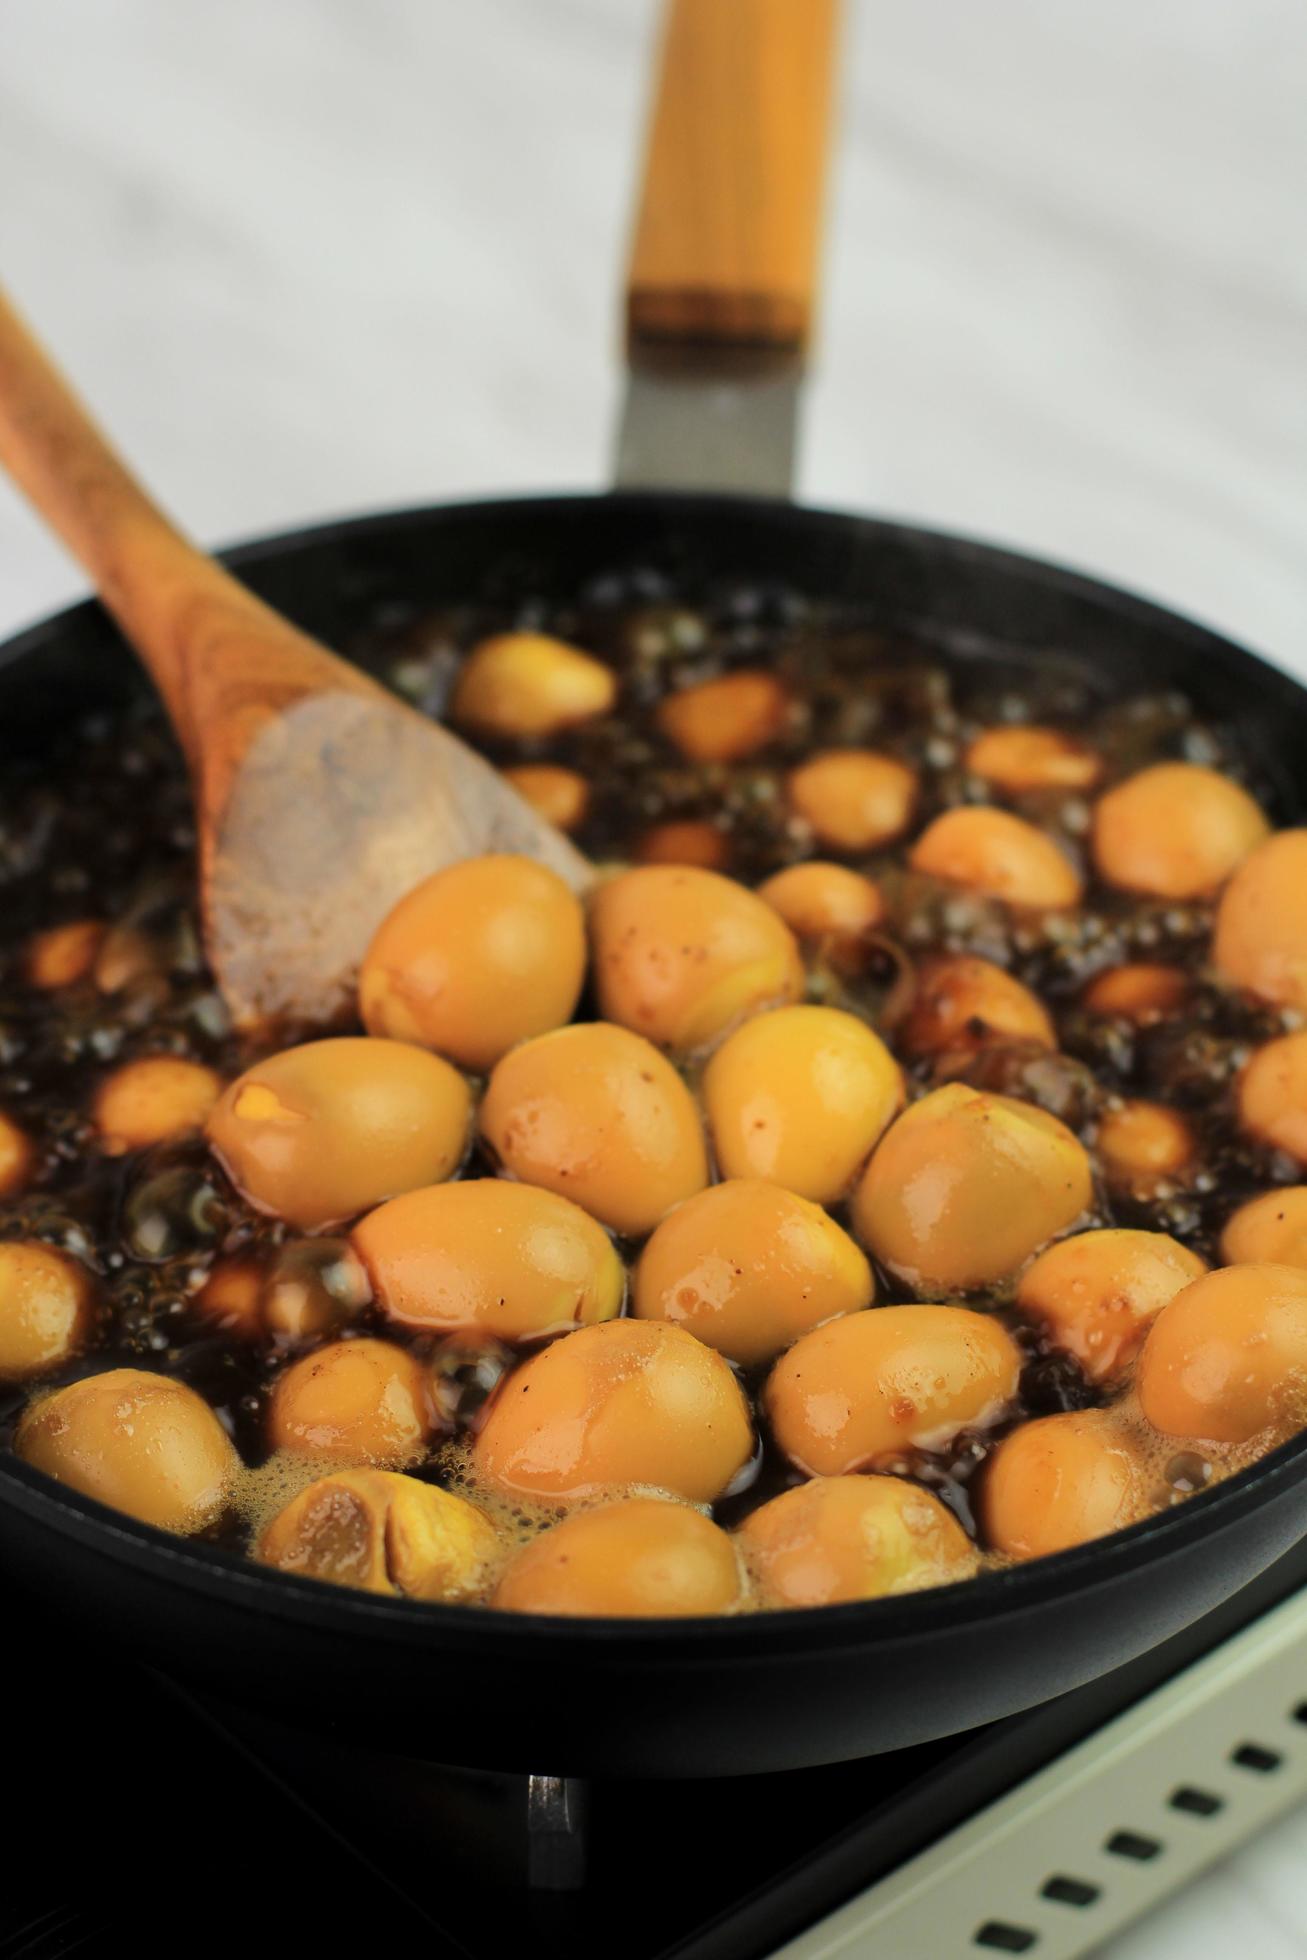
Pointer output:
729, 224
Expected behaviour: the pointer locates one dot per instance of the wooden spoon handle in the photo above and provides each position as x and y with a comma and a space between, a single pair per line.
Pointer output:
729, 226
196, 628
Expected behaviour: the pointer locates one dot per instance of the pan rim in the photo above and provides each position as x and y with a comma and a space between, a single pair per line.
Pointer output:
993, 1595
988, 1598
261, 547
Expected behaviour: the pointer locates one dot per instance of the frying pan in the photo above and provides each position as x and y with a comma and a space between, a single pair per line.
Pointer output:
695, 1697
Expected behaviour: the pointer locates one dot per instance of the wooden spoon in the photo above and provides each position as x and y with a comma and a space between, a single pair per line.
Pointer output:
320, 799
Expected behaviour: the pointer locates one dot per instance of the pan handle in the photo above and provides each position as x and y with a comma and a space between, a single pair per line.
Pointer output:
725, 252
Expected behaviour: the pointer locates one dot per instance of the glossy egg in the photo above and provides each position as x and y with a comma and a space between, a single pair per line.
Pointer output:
1141, 992
746, 1267
521, 685
1260, 938
360, 1401
827, 907
1097, 1294
1019, 760
641, 1557
631, 1402
151, 1100
1269, 1230
479, 956
1140, 1142
601, 1116
307, 1289
685, 841
1272, 1095
141, 1443
726, 719
964, 1186
853, 799
17, 1157
46, 1306
997, 855
125, 957
1058, 1482
680, 954
232, 1296
560, 796
62, 955
861, 1389
1175, 830
1228, 1356
842, 1538
505, 1260
959, 1003
382, 1532
317, 1134
799, 1096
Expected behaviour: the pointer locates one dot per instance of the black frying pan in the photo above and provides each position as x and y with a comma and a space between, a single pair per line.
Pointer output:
724, 253
780, 1691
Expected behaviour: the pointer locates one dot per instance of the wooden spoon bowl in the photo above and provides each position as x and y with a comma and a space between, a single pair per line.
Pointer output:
320, 798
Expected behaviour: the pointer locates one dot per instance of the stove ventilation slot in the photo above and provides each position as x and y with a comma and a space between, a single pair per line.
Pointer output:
1198, 1803
1071, 1891
1098, 1837
1001, 1938
1249, 1755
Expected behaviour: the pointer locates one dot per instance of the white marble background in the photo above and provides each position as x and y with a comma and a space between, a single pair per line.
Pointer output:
310, 256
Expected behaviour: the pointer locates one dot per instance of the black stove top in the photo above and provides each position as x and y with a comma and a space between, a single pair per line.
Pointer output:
140, 1817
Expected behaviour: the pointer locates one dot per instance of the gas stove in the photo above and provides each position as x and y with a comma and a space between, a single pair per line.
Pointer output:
141, 1815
